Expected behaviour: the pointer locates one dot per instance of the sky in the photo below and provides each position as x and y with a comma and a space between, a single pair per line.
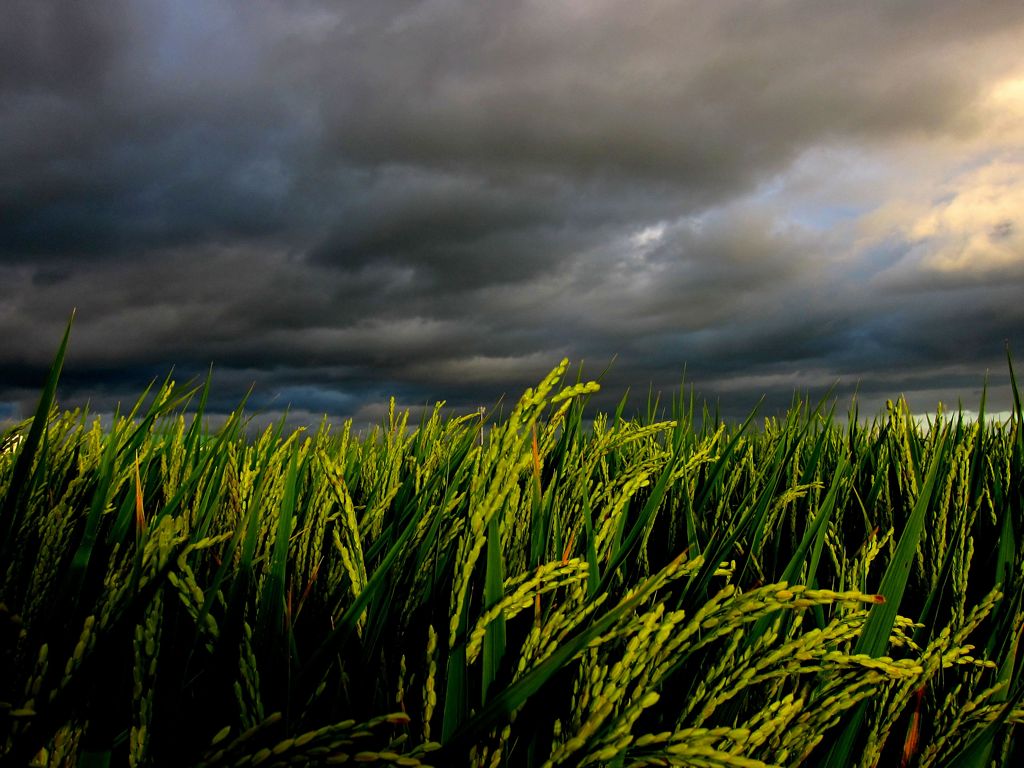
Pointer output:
337, 202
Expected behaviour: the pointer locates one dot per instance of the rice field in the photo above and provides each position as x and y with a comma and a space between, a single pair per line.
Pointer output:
552, 588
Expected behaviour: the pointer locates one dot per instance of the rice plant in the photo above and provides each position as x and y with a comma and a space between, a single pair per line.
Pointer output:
536, 590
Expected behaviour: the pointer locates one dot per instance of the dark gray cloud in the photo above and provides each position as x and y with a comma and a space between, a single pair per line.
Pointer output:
339, 202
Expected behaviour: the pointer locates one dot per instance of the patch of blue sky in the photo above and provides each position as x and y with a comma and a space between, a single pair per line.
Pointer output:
310, 398
826, 217
10, 414
876, 259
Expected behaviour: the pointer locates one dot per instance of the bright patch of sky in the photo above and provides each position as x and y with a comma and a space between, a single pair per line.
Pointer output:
648, 236
994, 419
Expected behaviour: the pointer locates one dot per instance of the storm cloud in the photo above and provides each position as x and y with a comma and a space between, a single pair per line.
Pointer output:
339, 202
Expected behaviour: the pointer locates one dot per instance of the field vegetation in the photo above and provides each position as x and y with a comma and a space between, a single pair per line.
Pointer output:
548, 588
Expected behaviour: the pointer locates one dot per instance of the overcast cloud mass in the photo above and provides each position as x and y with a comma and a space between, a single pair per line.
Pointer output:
440, 199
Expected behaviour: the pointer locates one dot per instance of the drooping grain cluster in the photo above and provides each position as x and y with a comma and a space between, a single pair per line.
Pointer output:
525, 592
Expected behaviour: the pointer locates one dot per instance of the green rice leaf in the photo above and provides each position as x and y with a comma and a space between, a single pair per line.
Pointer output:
874, 638
17, 491
494, 639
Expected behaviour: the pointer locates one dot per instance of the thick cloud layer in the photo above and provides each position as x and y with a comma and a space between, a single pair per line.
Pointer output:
438, 200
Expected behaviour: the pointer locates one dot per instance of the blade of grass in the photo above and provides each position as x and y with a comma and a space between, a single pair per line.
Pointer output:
270, 611
874, 638
650, 508
594, 568
494, 588
17, 491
